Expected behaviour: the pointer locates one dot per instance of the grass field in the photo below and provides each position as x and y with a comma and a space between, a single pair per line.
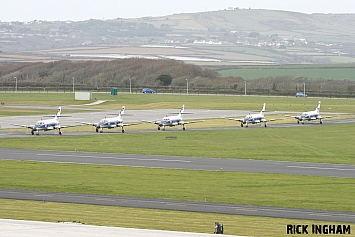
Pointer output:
144, 218
161, 101
330, 72
259, 189
324, 144
148, 218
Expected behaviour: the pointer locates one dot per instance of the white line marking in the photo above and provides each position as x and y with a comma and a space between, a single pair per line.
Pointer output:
115, 158
318, 168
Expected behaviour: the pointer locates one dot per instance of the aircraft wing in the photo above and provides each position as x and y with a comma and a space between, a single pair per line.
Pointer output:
275, 119
68, 126
237, 119
84, 123
156, 122
128, 124
23, 126
320, 117
293, 116
52, 128
188, 122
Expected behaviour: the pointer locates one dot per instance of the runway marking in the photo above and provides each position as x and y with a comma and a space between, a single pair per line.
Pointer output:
319, 214
244, 209
43, 195
105, 199
176, 204
116, 158
319, 168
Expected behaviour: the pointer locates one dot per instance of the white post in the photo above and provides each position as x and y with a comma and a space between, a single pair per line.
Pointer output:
187, 87
73, 86
304, 89
245, 88
15, 84
130, 85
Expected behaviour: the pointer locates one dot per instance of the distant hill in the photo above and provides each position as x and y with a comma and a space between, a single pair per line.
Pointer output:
314, 27
228, 36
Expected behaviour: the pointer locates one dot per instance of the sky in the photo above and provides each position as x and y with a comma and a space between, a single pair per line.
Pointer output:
80, 10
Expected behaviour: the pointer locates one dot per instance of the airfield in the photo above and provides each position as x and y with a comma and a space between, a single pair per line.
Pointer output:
170, 162
189, 163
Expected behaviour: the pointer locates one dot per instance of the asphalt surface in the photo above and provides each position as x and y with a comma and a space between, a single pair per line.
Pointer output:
175, 205
181, 163
233, 165
189, 163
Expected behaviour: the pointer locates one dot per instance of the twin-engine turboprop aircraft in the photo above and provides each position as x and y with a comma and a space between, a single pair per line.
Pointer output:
171, 121
311, 116
47, 124
253, 118
111, 123
167, 121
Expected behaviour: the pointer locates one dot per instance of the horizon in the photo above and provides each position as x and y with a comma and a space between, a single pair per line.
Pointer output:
82, 10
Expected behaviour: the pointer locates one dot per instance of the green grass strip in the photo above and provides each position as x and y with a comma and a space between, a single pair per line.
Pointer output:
323, 144
148, 218
325, 193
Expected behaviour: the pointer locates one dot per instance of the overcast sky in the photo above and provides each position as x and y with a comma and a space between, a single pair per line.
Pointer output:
79, 10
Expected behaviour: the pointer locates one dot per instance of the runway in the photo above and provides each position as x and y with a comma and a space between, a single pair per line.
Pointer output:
188, 163
192, 163
177, 205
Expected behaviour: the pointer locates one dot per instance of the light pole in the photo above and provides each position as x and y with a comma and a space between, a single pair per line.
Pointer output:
73, 85
187, 87
245, 88
15, 84
304, 89
130, 85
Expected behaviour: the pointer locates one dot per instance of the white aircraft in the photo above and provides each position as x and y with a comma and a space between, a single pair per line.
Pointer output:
170, 121
47, 124
254, 118
310, 116
110, 123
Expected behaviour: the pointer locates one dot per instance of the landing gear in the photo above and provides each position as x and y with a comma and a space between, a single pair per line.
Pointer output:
158, 128
183, 128
265, 125
122, 130
321, 121
97, 129
241, 125
298, 122
32, 132
60, 132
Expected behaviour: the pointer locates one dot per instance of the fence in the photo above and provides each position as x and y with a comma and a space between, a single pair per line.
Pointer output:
170, 90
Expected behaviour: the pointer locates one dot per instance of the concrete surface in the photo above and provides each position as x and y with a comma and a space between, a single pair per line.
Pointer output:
20, 228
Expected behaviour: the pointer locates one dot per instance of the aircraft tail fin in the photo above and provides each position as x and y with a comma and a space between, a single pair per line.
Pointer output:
58, 112
122, 110
182, 110
263, 109
318, 107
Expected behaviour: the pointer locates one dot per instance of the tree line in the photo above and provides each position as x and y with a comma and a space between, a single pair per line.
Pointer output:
165, 75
